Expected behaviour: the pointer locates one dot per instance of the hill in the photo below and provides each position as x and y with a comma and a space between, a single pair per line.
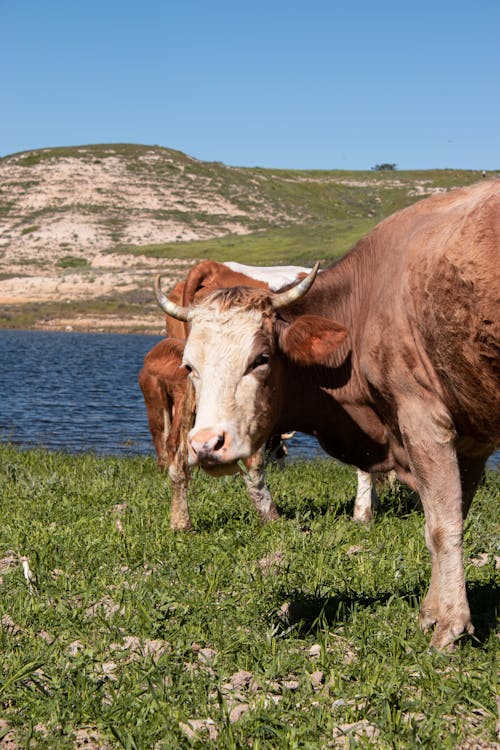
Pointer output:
83, 230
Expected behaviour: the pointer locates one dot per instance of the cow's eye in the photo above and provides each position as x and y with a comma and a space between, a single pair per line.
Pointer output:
189, 369
262, 359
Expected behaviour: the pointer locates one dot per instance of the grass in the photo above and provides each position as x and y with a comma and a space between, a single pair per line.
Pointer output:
305, 629
297, 244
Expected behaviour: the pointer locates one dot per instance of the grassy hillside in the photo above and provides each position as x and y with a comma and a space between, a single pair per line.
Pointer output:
299, 634
91, 225
321, 213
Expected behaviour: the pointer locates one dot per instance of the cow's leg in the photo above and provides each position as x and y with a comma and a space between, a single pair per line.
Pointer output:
429, 438
182, 420
161, 437
257, 488
157, 405
179, 476
366, 501
471, 473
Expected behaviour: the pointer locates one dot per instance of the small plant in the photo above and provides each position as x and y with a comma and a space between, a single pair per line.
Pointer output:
73, 261
29, 230
30, 160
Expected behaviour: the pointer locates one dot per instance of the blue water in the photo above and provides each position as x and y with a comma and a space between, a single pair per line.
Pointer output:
79, 392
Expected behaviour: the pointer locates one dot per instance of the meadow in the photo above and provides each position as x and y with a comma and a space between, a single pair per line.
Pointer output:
117, 633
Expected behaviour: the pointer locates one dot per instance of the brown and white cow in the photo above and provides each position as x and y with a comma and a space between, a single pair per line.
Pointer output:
168, 395
170, 407
391, 360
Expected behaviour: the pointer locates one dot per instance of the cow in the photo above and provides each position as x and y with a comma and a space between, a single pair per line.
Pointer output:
168, 397
169, 406
390, 357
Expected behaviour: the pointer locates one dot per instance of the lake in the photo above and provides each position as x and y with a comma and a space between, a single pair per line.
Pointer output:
78, 392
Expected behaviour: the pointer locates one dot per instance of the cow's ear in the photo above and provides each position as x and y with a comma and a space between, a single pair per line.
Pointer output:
199, 277
310, 340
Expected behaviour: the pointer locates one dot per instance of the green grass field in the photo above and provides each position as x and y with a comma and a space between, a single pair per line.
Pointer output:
298, 634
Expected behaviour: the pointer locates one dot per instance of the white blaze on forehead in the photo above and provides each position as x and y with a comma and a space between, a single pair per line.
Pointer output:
218, 349
275, 276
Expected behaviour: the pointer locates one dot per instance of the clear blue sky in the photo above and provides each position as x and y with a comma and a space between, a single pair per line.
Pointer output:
315, 84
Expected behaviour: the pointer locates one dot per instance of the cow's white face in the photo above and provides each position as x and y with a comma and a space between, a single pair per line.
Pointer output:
235, 370
238, 353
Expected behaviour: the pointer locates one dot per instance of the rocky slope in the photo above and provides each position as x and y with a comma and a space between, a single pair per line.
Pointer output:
73, 219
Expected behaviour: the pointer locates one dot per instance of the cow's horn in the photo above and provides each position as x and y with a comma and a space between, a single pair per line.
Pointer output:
282, 299
166, 304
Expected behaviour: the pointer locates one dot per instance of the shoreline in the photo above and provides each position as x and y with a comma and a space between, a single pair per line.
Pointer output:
149, 324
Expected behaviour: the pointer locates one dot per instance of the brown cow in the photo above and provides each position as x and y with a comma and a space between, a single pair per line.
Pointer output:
391, 361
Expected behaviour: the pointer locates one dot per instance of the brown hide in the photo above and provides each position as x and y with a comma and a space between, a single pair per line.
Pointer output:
209, 275
420, 298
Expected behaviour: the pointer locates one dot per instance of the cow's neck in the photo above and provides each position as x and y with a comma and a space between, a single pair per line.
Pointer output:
341, 291
332, 401
342, 294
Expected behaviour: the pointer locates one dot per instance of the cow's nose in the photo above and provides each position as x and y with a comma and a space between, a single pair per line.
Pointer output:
207, 444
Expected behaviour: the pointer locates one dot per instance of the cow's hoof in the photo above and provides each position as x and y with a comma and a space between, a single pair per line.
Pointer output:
364, 518
446, 638
271, 515
427, 619
186, 527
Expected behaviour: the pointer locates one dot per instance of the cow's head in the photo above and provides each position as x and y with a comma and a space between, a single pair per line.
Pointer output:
237, 354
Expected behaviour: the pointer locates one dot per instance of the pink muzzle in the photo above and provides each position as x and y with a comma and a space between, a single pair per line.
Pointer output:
208, 446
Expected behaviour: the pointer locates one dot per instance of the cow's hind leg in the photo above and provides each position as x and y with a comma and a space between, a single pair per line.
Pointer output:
257, 488
366, 501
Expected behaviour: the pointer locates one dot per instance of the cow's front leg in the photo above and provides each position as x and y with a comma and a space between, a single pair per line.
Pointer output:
255, 482
446, 602
471, 472
177, 452
430, 441
179, 510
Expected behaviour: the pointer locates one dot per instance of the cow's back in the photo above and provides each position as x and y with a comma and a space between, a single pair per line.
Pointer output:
435, 299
